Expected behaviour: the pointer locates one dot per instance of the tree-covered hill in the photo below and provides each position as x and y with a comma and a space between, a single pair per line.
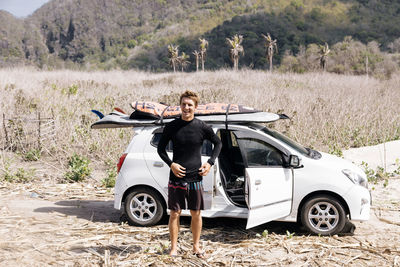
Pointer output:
295, 26
134, 33
11, 30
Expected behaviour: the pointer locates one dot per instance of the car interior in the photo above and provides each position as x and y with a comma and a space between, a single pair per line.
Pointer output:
257, 153
232, 167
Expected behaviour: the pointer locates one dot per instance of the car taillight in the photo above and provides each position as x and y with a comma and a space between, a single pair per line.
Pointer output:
121, 161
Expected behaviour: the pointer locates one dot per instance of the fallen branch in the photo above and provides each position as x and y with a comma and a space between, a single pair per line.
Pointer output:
352, 259
387, 221
233, 260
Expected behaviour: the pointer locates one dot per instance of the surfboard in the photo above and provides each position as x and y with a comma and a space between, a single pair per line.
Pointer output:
120, 120
154, 110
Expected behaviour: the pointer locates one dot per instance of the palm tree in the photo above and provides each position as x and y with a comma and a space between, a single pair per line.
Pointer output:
236, 49
173, 56
323, 52
271, 48
197, 56
203, 51
183, 60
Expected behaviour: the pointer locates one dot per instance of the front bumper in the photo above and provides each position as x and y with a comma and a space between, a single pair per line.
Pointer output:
359, 200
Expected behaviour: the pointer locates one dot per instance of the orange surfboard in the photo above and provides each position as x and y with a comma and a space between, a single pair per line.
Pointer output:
145, 110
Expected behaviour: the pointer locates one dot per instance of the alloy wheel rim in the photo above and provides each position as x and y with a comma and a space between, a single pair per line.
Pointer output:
143, 207
323, 216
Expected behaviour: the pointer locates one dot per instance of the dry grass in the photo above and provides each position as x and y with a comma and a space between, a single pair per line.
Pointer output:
329, 112
75, 232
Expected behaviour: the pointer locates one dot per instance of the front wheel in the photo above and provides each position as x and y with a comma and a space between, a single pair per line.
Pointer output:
323, 215
144, 207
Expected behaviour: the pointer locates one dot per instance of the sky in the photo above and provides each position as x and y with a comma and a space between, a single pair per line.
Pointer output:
21, 8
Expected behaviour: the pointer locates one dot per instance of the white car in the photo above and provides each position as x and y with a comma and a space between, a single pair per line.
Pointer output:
260, 175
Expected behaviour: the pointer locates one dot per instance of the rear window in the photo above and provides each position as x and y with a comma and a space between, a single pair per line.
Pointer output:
206, 150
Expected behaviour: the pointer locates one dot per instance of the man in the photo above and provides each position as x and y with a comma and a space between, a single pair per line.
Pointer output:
185, 179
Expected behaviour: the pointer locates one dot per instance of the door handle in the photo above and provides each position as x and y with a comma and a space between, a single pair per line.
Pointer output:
158, 164
257, 182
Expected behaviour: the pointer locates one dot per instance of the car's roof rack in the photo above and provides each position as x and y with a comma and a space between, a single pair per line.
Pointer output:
120, 120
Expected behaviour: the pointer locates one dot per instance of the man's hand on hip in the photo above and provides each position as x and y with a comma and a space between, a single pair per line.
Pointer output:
204, 169
178, 170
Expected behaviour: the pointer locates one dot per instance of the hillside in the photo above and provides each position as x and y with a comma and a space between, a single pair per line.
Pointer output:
10, 38
134, 34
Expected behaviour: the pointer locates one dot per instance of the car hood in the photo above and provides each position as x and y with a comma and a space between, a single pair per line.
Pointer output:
337, 162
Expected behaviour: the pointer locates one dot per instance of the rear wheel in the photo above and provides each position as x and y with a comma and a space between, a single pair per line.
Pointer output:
144, 207
323, 215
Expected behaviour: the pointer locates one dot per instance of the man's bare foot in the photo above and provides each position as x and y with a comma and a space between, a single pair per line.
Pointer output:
173, 253
200, 254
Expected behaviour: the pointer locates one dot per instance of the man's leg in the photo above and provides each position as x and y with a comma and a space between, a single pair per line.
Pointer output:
196, 204
173, 226
196, 226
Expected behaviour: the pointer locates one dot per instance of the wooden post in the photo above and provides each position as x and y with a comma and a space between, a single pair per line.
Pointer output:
5, 130
39, 144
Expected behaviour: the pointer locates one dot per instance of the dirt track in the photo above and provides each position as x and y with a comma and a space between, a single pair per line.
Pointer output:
76, 225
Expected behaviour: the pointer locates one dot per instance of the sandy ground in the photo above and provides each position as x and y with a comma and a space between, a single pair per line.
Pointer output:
385, 155
45, 223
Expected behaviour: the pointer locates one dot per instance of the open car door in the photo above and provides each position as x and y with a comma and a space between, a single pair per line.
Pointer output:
269, 186
268, 195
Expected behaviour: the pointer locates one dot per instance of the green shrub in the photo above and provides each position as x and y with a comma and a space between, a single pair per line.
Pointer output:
20, 176
335, 150
379, 174
265, 233
369, 172
109, 181
72, 90
23, 175
397, 171
289, 235
132, 43
78, 168
32, 155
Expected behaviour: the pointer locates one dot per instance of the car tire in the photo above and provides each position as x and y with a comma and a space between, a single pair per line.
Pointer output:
323, 215
144, 207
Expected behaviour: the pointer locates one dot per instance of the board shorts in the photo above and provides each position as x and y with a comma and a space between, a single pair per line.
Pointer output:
182, 196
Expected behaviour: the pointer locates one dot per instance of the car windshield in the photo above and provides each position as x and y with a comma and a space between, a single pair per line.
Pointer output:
296, 146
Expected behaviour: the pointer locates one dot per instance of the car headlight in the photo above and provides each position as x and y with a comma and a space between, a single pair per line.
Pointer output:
356, 178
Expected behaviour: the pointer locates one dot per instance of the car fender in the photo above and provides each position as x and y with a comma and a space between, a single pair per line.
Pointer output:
312, 179
124, 189
134, 172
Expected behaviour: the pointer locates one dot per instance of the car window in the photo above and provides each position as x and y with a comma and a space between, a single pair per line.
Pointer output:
156, 139
206, 150
301, 149
259, 153
234, 141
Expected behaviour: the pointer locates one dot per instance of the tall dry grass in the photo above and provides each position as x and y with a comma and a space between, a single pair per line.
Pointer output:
328, 112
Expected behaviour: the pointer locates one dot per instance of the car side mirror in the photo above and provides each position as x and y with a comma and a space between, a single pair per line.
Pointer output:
295, 161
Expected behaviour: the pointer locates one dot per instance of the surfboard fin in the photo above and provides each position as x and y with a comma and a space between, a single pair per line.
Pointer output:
98, 113
119, 110
283, 116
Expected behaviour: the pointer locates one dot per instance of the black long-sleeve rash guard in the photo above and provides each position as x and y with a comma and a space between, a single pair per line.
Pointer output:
187, 140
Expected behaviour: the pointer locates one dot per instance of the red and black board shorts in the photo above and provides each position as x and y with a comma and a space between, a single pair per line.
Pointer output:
182, 196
